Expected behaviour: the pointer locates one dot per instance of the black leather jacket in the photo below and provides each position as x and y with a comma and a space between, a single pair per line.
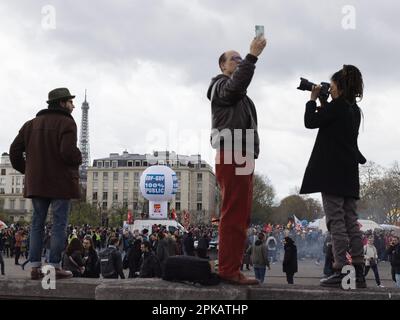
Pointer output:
232, 109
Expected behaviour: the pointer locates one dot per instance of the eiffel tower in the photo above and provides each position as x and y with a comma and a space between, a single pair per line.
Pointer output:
84, 142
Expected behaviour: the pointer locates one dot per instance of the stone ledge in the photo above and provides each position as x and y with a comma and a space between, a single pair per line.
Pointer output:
285, 292
155, 289
76, 289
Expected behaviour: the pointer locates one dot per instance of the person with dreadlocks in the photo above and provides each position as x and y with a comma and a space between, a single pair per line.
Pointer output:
333, 168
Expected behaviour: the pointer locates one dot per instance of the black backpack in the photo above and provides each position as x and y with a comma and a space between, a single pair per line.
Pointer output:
190, 269
106, 258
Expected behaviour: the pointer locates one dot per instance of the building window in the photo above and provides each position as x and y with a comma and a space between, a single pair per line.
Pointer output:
199, 185
137, 163
106, 164
18, 181
22, 204
94, 204
104, 205
94, 196
115, 176
126, 185
13, 179
114, 164
135, 206
178, 206
17, 190
105, 175
178, 175
178, 196
2, 191
2, 181
135, 195
3, 172
12, 190
105, 195
125, 204
105, 185
126, 175
95, 175
99, 164
136, 185
199, 197
12, 204
199, 177
95, 185
125, 196
145, 164
136, 175
199, 207
115, 196
130, 163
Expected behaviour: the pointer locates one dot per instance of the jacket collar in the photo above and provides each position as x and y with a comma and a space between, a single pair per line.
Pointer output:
54, 111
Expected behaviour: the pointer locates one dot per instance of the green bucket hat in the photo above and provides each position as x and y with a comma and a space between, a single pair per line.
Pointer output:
59, 94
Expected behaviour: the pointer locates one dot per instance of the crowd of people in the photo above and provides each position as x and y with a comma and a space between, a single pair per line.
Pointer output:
93, 252
86, 248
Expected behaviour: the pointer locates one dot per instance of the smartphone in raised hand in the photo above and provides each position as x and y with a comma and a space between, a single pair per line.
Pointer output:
259, 31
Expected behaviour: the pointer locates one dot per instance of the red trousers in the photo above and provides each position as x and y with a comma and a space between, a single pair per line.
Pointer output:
237, 196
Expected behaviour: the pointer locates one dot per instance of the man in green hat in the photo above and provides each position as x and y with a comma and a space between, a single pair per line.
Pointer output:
45, 150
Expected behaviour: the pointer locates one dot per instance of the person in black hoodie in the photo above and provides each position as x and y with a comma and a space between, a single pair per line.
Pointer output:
202, 247
91, 259
394, 254
290, 259
150, 265
234, 134
188, 244
333, 168
134, 256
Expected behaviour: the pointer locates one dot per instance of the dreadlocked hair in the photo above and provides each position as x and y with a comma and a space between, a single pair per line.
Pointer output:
349, 80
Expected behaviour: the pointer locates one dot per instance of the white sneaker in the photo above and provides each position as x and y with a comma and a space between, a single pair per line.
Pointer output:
380, 286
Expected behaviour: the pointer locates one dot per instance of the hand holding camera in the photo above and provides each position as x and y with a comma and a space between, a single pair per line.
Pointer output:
257, 46
315, 92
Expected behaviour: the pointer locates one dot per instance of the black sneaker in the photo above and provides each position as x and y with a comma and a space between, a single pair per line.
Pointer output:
333, 281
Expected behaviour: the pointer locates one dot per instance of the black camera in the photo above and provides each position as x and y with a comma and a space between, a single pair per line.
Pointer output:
306, 85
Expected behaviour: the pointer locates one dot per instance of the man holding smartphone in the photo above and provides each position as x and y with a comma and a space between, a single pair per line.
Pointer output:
234, 136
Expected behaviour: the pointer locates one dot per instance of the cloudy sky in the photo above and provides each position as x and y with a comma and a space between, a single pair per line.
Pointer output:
147, 65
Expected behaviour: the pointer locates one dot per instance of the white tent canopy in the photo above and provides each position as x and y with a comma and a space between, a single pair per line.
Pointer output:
366, 225
389, 227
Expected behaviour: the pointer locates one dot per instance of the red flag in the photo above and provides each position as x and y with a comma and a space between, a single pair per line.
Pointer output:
130, 217
173, 214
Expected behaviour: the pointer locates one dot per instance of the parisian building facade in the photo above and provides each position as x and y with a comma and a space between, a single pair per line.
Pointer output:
12, 201
113, 184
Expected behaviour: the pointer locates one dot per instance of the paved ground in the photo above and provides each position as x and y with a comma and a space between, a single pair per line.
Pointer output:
309, 273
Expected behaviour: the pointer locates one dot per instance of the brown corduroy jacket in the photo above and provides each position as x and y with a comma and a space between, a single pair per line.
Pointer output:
45, 150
